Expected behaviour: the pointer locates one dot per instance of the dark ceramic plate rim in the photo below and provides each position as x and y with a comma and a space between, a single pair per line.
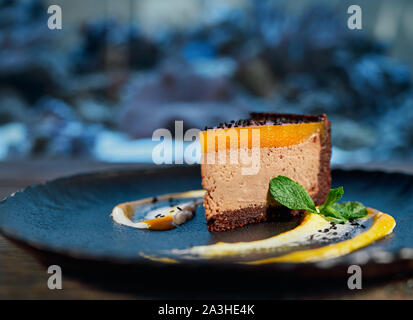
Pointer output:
354, 258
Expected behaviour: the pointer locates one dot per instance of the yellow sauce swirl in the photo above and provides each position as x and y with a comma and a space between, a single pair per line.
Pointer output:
383, 224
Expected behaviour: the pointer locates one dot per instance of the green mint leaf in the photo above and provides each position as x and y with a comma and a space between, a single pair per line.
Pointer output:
350, 210
333, 196
291, 194
327, 210
332, 214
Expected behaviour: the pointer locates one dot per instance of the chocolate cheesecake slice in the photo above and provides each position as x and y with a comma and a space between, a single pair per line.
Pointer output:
240, 158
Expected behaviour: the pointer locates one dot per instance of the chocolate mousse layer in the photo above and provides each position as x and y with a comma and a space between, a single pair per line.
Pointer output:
234, 199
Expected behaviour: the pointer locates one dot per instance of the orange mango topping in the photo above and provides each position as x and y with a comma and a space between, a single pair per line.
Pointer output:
247, 137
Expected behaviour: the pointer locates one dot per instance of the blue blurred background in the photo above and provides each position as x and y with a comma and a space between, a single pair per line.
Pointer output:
121, 69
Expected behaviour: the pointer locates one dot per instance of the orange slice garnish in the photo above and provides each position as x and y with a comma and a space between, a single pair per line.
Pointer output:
160, 224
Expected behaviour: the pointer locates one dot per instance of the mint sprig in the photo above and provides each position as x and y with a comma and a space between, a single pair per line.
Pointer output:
292, 195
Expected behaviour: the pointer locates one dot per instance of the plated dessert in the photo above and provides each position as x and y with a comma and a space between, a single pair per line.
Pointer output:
70, 216
287, 157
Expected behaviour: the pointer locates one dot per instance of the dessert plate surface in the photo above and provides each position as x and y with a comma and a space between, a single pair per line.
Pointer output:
67, 220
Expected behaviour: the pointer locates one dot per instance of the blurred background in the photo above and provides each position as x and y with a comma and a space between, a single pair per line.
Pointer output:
118, 70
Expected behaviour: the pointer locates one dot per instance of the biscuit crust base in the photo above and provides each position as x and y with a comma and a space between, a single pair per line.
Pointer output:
228, 220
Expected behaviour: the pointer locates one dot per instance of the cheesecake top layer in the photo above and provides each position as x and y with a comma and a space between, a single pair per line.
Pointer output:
271, 130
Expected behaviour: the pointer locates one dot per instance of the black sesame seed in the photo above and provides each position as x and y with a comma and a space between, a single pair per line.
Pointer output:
335, 233
363, 226
154, 199
179, 208
347, 234
325, 230
320, 230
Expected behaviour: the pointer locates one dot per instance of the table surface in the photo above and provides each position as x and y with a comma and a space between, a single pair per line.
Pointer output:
22, 276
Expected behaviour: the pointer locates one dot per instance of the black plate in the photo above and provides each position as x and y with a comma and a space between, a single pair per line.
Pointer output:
69, 218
